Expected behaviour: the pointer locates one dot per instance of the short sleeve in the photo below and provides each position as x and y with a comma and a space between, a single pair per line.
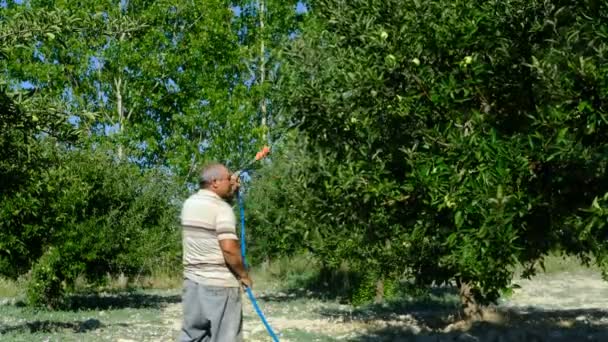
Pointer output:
225, 224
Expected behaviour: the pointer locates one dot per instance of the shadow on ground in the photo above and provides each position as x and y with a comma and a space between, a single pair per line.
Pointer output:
435, 316
107, 301
436, 310
530, 325
52, 326
336, 285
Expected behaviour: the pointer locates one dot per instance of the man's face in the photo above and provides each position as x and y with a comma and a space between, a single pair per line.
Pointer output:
226, 185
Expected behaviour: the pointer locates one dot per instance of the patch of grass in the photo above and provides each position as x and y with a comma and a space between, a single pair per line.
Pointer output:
303, 275
284, 272
305, 336
555, 263
11, 288
133, 316
159, 279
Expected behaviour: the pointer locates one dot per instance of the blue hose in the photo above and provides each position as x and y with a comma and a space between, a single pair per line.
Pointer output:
242, 211
247, 289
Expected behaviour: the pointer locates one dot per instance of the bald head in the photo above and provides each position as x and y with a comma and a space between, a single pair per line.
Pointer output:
211, 172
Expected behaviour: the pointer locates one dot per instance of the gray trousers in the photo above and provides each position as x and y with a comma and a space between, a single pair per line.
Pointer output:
211, 314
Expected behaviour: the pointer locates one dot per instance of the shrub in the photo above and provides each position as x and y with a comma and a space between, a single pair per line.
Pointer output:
87, 215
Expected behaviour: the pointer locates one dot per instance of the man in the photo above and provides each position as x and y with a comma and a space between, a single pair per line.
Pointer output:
213, 266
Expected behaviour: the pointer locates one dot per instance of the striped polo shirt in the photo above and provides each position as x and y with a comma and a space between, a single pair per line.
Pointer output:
207, 219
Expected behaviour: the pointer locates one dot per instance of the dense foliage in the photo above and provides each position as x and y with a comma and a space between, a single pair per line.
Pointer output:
107, 111
441, 141
451, 139
79, 195
87, 215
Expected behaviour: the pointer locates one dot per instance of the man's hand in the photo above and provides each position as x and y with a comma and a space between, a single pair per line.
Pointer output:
235, 181
246, 281
232, 255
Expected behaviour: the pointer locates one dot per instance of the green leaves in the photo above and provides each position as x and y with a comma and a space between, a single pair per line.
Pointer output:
437, 139
163, 83
479, 113
92, 216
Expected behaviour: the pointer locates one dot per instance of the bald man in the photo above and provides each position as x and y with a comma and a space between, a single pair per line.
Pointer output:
213, 266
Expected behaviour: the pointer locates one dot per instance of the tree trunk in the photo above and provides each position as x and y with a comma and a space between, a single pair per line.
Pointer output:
262, 79
471, 308
119, 111
379, 291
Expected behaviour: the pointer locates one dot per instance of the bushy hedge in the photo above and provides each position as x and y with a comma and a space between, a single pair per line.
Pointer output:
85, 214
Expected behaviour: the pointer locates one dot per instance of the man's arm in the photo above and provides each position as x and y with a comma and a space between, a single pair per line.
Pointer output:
232, 255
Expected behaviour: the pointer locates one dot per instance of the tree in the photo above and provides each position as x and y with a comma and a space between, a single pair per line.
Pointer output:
263, 28
24, 116
455, 139
68, 211
86, 215
161, 83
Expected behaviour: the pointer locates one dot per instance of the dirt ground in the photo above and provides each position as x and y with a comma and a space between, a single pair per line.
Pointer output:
559, 307
567, 306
